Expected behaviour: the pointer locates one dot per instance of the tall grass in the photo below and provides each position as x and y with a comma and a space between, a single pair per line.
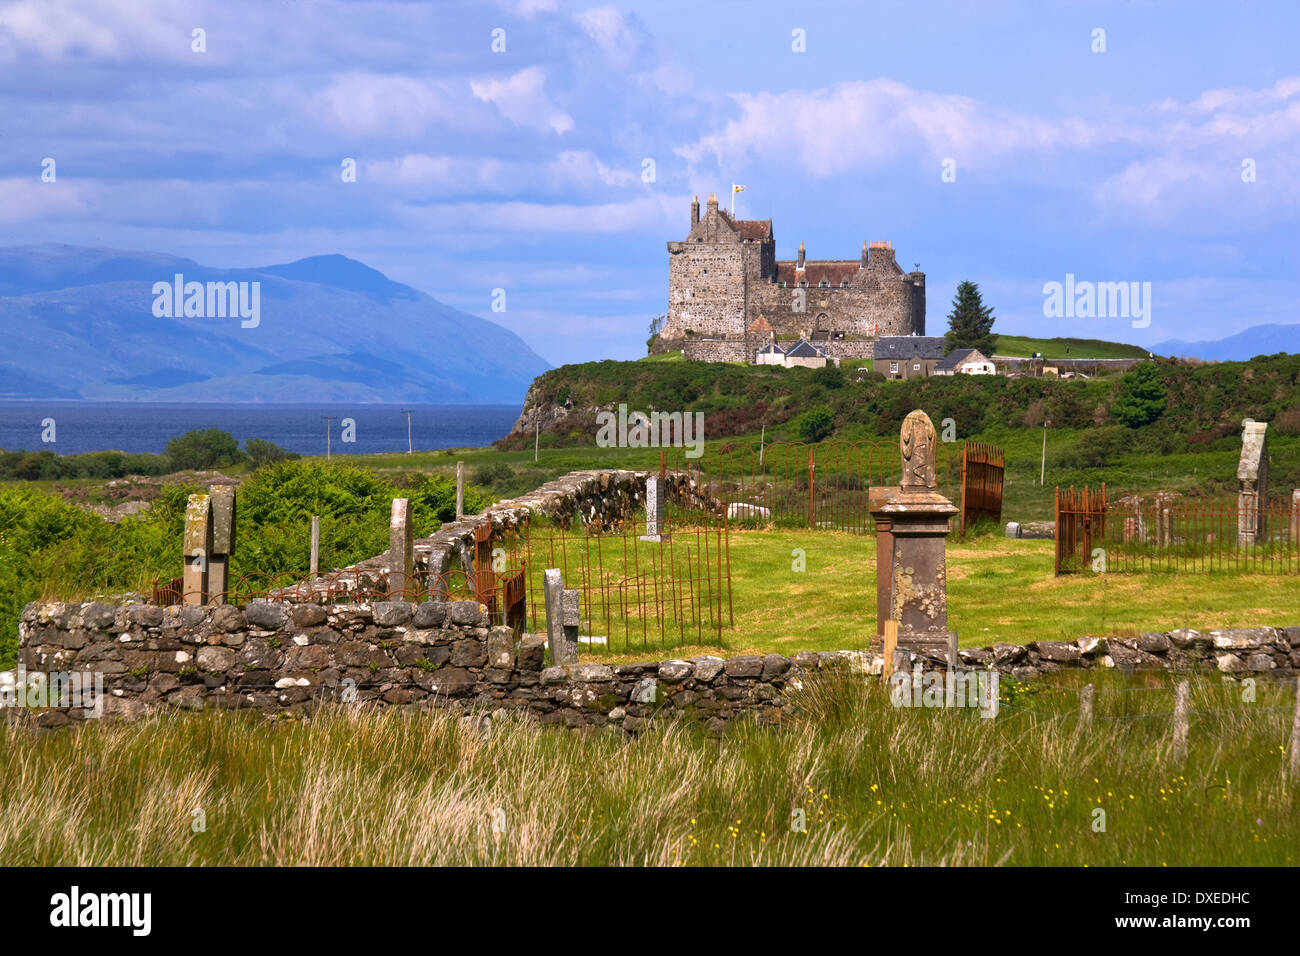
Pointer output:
875, 784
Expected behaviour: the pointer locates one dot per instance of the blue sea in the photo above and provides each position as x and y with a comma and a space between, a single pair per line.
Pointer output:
140, 427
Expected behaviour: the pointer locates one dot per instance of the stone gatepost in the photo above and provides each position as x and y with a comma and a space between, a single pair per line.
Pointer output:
1252, 476
223, 541
197, 549
401, 549
655, 528
918, 518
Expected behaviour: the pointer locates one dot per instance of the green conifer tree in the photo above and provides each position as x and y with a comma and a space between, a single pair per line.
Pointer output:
970, 323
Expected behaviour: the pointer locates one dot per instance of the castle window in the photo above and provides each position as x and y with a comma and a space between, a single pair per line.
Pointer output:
844, 283
803, 284
823, 284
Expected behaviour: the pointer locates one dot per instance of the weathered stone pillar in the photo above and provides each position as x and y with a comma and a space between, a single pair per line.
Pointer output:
655, 528
401, 549
558, 629
197, 549
1164, 520
918, 516
876, 499
1295, 517
1252, 476
223, 541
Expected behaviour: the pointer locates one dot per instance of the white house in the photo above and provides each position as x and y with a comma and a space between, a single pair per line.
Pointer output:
966, 362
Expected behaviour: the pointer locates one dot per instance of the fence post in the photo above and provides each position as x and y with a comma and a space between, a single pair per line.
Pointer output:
890, 646
315, 546
401, 551
812, 487
460, 490
1295, 734
1182, 694
1085, 704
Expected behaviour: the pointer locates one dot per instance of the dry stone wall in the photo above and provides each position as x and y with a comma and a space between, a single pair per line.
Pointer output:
288, 658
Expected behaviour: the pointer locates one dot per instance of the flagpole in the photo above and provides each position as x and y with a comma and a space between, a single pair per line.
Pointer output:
733, 200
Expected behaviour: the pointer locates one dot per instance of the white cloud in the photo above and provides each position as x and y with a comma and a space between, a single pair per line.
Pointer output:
522, 100
376, 104
867, 123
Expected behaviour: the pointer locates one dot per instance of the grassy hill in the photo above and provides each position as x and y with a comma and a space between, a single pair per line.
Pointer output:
1019, 345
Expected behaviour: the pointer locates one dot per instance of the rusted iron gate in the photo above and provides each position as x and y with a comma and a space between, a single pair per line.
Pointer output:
982, 472
504, 592
636, 594
795, 484
1080, 519
1157, 532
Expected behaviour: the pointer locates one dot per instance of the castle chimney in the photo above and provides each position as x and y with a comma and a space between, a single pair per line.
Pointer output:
713, 202
695, 210
864, 253
800, 265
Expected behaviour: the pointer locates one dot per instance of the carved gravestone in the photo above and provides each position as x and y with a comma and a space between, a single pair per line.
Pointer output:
917, 516
1252, 478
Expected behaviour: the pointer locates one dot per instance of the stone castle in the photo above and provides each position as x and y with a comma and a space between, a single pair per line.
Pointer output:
729, 296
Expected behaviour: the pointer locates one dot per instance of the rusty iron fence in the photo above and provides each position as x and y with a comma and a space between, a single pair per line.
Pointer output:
794, 484
983, 469
1159, 532
634, 594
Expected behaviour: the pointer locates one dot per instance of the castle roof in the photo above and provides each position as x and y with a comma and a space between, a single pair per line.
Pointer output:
833, 273
760, 324
908, 347
771, 348
755, 229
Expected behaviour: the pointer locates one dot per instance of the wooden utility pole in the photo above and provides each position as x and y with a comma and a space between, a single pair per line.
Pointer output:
407, 413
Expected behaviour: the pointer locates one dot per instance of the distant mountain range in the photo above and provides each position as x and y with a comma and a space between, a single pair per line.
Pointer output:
82, 323
1256, 340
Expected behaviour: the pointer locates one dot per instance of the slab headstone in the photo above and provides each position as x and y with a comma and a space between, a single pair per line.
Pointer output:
918, 517
1295, 517
1013, 529
196, 546
1252, 479
562, 652
401, 549
655, 527
223, 541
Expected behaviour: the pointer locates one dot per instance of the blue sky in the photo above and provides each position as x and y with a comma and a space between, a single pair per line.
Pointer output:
523, 169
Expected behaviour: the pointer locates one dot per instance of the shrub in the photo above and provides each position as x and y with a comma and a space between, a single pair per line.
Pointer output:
203, 448
262, 453
1140, 399
814, 424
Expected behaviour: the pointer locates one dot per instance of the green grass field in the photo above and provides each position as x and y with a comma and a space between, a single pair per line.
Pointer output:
999, 590
848, 780
1020, 345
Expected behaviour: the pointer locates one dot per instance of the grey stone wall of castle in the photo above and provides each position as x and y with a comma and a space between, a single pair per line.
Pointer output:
728, 295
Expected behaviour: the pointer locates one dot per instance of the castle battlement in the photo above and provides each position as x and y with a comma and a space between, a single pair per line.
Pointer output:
729, 296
